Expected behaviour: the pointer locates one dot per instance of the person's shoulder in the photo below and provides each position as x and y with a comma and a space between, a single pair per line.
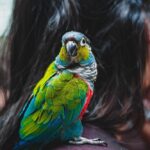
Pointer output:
91, 131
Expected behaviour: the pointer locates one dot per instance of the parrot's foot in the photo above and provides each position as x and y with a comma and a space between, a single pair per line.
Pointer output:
83, 140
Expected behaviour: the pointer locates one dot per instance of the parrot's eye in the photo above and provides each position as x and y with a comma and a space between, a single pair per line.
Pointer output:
83, 42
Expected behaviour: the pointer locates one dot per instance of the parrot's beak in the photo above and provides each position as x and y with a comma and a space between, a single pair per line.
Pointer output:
71, 47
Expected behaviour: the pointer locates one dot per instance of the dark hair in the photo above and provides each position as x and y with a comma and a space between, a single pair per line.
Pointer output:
33, 42
118, 40
122, 48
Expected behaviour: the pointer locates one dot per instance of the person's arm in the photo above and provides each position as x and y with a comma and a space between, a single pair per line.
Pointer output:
146, 88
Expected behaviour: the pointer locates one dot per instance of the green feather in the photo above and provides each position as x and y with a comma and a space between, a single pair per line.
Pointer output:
62, 92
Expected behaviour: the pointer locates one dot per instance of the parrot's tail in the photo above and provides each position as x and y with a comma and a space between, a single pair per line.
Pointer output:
21, 145
24, 145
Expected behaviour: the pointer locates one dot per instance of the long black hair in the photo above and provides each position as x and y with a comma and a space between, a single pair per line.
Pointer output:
116, 29
122, 47
33, 42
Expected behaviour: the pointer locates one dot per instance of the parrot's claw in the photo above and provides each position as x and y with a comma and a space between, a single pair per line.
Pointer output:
83, 140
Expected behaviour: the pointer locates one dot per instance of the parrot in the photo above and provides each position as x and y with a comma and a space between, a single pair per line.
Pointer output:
59, 100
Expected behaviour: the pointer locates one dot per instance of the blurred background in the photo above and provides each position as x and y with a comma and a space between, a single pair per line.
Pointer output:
6, 7
5, 12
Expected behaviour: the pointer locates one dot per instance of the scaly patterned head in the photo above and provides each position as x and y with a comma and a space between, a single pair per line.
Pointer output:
75, 49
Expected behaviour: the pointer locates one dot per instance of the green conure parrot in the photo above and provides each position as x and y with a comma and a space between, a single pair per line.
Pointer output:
59, 100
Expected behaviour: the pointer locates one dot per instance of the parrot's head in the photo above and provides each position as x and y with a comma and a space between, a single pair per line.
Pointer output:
75, 50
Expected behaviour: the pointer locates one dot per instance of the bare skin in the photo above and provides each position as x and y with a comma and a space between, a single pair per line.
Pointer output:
146, 87
2, 100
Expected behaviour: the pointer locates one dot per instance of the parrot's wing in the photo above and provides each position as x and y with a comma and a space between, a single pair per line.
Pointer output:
50, 72
59, 102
